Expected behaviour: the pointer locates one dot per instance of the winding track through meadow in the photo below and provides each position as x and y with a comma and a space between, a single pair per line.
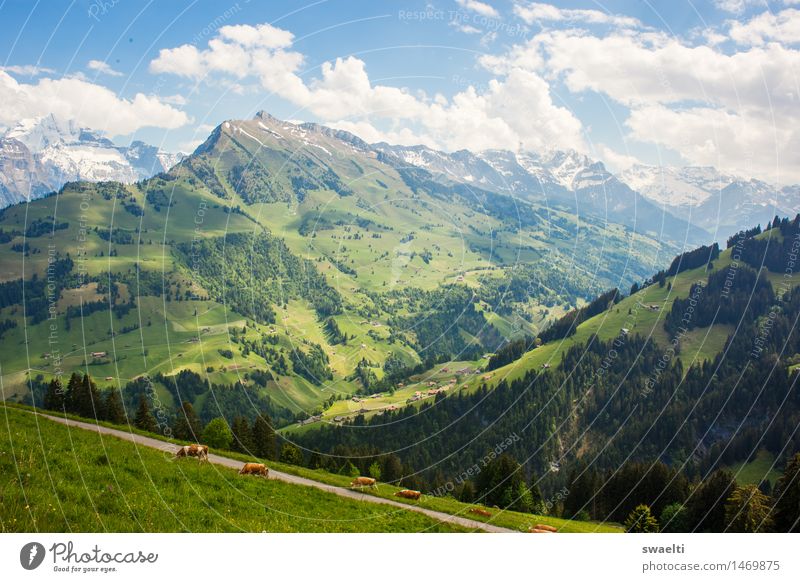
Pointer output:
281, 476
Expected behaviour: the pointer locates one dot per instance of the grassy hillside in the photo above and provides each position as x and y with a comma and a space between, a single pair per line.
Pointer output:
57, 479
171, 273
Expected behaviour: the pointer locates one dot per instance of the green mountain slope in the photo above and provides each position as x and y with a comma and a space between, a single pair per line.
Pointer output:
696, 370
66, 479
293, 250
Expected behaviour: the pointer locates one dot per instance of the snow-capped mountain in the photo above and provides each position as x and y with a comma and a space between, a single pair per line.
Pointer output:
568, 179
38, 156
720, 203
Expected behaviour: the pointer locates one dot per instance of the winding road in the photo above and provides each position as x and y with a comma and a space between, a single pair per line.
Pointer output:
286, 477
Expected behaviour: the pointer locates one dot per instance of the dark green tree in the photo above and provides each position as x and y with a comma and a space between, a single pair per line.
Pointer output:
291, 454
54, 397
265, 444
786, 512
113, 410
72, 393
187, 426
391, 468
674, 519
242, 435
85, 397
144, 419
706, 504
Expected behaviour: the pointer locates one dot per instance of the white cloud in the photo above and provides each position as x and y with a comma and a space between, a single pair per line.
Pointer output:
465, 28
532, 12
103, 68
481, 8
735, 142
27, 70
731, 109
655, 68
615, 161
739, 6
516, 107
89, 104
782, 27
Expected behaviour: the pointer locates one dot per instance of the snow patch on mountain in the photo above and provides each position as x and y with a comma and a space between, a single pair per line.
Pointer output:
40, 155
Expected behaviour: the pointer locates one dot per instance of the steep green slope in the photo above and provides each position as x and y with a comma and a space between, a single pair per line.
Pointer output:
57, 479
695, 370
293, 249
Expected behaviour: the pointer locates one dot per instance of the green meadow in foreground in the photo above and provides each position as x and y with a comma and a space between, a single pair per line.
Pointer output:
59, 479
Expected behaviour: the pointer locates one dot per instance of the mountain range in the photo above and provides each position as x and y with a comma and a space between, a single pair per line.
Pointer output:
38, 156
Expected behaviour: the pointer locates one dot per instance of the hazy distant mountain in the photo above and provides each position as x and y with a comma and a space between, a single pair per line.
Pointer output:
40, 155
718, 202
568, 179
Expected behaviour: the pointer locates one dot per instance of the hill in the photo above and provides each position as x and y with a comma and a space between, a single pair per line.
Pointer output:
694, 369
125, 488
292, 266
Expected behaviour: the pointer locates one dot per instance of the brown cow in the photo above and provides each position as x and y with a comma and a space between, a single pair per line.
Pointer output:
199, 451
408, 494
254, 469
541, 528
363, 482
479, 511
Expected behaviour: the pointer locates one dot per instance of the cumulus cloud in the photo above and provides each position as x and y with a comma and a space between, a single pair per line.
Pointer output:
89, 104
27, 70
731, 109
783, 27
532, 12
518, 106
481, 8
739, 6
103, 68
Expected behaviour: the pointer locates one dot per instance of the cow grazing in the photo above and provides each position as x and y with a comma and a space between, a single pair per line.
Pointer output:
254, 469
408, 494
363, 482
479, 511
199, 451
541, 528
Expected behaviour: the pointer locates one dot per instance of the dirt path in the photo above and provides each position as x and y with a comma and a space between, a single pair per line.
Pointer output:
287, 477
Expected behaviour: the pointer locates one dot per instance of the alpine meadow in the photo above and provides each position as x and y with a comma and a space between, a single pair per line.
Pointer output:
480, 267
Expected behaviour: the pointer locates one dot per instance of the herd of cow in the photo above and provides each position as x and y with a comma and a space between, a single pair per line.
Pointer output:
201, 452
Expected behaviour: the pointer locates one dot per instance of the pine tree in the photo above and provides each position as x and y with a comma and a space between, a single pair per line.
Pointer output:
707, 502
187, 426
265, 445
675, 519
242, 435
391, 468
641, 520
72, 393
113, 410
144, 419
787, 498
54, 397
747, 510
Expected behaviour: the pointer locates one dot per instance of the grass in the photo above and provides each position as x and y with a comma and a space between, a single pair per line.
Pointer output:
761, 468
59, 479
503, 518
508, 519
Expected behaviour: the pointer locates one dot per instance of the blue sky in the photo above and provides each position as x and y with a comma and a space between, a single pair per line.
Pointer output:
704, 83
